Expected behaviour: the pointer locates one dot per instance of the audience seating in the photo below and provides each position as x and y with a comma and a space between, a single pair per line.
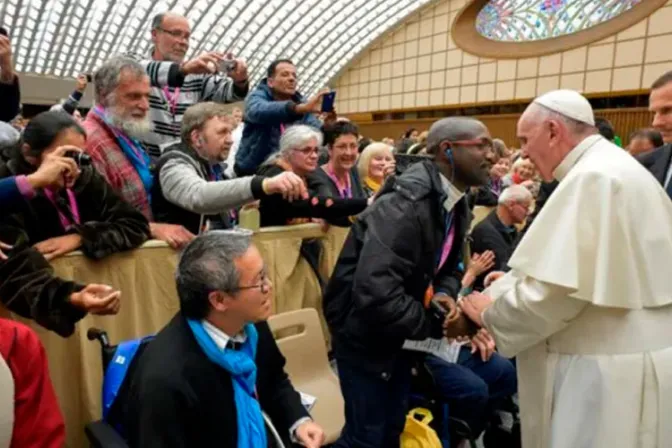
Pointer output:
308, 366
480, 212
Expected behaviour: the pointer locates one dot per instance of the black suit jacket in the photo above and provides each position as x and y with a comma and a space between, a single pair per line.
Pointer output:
491, 234
179, 398
657, 162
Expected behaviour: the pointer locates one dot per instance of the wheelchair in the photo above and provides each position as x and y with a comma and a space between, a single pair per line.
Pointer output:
423, 394
119, 364
451, 430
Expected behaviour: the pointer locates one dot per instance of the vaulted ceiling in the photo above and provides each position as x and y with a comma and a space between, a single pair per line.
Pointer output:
63, 38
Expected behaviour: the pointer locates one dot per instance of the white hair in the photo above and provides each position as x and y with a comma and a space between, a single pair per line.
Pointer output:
519, 162
294, 137
107, 77
515, 193
297, 136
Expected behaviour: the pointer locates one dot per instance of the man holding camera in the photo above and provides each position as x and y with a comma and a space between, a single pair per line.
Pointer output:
178, 84
397, 279
10, 94
274, 105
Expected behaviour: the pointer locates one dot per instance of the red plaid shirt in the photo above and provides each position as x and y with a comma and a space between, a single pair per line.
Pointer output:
111, 162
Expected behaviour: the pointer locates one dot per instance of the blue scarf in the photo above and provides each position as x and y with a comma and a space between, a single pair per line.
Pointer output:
134, 152
240, 364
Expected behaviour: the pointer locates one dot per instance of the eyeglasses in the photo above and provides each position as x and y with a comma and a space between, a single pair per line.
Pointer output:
264, 285
308, 150
480, 143
176, 34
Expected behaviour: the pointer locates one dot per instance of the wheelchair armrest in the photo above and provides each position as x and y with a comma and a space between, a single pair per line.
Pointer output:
102, 435
460, 428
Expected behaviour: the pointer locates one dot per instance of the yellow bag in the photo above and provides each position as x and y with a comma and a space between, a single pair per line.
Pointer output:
417, 433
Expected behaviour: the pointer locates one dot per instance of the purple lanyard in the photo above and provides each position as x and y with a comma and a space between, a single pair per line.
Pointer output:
74, 209
171, 99
496, 187
345, 192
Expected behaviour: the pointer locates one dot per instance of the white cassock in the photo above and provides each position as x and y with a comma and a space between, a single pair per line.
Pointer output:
587, 308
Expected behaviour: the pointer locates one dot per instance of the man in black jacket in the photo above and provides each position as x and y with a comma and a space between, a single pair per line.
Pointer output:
497, 232
405, 248
213, 374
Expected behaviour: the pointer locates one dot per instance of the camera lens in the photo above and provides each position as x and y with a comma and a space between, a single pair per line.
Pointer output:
80, 158
84, 159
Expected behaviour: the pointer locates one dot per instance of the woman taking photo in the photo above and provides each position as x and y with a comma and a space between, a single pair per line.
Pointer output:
81, 212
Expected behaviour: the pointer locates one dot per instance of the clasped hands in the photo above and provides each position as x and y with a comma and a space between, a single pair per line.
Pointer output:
461, 321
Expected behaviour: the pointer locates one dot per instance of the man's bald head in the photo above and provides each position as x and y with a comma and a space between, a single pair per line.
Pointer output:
170, 33
453, 129
471, 155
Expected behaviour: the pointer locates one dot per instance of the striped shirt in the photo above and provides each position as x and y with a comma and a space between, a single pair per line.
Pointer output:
171, 95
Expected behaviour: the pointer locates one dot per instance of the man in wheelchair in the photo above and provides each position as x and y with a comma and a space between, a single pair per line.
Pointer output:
214, 375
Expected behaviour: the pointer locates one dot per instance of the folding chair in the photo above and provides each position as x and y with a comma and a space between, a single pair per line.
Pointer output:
308, 367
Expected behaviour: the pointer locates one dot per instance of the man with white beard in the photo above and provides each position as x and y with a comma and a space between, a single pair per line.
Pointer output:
114, 129
587, 305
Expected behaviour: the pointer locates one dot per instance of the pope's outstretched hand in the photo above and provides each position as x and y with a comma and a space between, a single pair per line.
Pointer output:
473, 306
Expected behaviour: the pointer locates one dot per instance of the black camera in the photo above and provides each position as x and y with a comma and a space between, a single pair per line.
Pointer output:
80, 158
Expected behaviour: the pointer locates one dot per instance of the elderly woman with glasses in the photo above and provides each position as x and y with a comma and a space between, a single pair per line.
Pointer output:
298, 153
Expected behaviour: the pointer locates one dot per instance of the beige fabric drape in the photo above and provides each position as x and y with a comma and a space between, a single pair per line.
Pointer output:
149, 300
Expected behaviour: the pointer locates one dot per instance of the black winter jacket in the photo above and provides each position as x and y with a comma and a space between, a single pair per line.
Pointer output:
28, 285
275, 211
374, 300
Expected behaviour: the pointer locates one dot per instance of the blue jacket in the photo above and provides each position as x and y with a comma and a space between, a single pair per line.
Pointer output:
10, 196
264, 117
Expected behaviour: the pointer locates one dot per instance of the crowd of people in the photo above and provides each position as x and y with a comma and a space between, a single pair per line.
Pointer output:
160, 157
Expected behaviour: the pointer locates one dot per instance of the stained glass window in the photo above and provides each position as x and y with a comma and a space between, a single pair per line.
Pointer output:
530, 20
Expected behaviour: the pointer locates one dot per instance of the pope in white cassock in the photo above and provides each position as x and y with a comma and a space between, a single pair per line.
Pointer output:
587, 305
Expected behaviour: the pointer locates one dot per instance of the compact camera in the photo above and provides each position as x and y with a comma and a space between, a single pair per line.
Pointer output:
80, 158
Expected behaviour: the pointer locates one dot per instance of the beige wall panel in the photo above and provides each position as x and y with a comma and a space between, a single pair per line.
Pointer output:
420, 56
